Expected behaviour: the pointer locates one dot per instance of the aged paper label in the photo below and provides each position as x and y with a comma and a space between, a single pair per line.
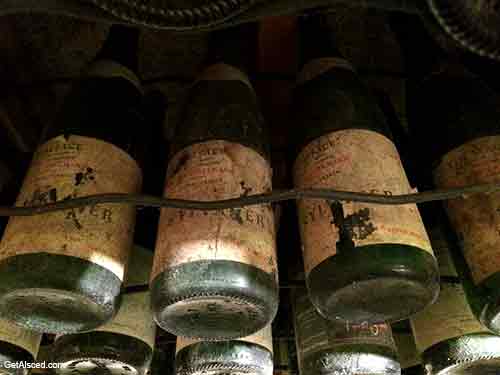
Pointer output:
450, 317
70, 167
476, 218
28, 340
134, 318
210, 171
263, 338
354, 160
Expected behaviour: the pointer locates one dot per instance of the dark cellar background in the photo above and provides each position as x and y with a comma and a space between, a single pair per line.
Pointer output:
40, 55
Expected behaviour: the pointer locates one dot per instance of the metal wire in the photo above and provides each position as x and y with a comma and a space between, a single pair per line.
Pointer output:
267, 198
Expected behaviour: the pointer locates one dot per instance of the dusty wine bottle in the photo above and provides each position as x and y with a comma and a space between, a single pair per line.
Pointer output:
461, 112
62, 272
363, 263
449, 336
125, 344
327, 347
17, 345
214, 273
248, 355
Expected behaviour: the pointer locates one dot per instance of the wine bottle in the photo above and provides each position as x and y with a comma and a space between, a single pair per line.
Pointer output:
17, 345
215, 273
328, 347
448, 334
460, 113
62, 272
363, 262
125, 344
252, 354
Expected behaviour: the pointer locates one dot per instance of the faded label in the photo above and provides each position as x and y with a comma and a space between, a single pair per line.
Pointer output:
28, 340
354, 160
210, 171
365, 333
263, 338
70, 167
134, 318
476, 218
311, 330
450, 317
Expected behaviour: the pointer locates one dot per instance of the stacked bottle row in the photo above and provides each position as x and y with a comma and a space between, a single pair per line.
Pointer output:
214, 273
448, 336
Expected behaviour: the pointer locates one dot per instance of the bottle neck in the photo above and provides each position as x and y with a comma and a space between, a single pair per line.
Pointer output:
236, 47
318, 49
121, 46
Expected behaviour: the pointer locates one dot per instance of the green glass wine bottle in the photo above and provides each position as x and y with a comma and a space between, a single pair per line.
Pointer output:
248, 355
327, 347
461, 112
363, 263
215, 274
62, 272
448, 334
123, 346
17, 345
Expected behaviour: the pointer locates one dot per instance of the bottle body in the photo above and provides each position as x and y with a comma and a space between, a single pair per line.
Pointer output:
125, 344
252, 354
448, 334
370, 263
215, 267
17, 345
462, 113
328, 347
62, 272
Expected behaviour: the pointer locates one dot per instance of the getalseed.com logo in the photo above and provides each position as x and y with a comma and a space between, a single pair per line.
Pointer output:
29, 365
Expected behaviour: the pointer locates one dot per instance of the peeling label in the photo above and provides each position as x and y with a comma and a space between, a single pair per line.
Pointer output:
354, 160
210, 171
475, 218
263, 338
134, 318
28, 340
70, 167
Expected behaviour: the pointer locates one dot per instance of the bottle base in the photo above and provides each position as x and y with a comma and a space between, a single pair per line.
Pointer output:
86, 353
218, 358
214, 300
470, 354
57, 294
354, 360
373, 284
13, 354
